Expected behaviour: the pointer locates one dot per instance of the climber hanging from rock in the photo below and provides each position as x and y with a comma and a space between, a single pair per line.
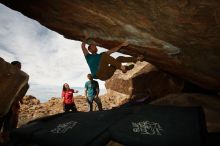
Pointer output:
103, 66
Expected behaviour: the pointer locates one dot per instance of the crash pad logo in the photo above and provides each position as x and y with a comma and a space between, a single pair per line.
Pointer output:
147, 127
64, 127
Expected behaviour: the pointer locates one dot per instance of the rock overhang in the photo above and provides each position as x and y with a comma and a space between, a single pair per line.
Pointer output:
181, 37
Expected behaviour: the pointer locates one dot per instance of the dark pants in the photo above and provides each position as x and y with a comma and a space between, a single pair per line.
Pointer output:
108, 65
98, 102
68, 107
10, 120
2, 122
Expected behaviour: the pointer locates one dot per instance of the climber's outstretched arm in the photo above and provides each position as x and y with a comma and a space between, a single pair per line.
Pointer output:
115, 49
84, 49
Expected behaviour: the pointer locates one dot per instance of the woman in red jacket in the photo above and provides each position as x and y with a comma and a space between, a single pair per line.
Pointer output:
68, 101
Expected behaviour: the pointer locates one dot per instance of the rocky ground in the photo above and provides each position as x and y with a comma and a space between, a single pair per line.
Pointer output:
32, 108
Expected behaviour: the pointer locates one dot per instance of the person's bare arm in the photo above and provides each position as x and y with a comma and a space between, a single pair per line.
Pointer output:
83, 45
115, 49
84, 49
85, 92
62, 99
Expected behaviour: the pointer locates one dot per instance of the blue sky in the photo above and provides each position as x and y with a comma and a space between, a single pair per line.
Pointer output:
48, 58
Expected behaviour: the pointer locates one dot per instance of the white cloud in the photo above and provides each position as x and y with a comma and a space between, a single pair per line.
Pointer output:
46, 56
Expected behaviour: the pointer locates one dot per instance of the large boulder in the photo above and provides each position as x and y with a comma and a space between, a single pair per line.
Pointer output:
210, 104
181, 37
144, 80
12, 81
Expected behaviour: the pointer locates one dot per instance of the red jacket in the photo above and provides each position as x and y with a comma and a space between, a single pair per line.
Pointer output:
68, 96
